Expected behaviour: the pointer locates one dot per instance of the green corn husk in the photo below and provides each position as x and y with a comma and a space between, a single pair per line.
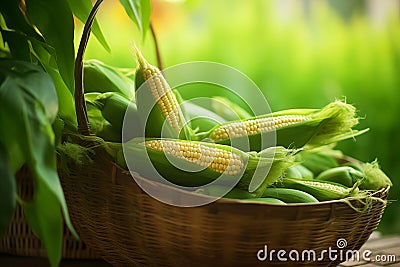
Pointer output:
227, 109
293, 172
114, 106
321, 190
374, 177
102, 78
160, 111
190, 173
305, 172
218, 190
289, 195
106, 114
96, 120
201, 119
269, 200
319, 160
328, 125
344, 175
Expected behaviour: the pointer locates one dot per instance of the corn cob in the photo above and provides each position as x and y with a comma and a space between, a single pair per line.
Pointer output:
157, 103
288, 195
293, 172
317, 161
255, 126
99, 77
193, 163
184, 162
114, 108
299, 172
243, 195
294, 128
304, 172
355, 165
110, 134
268, 200
217, 190
322, 190
218, 160
344, 175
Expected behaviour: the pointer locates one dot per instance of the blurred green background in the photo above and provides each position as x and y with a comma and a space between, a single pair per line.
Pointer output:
302, 54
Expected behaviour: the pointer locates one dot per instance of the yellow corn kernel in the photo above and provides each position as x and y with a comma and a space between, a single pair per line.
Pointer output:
331, 187
255, 126
216, 159
162, 92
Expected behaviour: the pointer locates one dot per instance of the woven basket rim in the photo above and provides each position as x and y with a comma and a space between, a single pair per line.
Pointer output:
321, 203
382, 192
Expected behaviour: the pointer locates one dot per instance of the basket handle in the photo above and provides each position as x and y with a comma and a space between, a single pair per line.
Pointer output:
80, 104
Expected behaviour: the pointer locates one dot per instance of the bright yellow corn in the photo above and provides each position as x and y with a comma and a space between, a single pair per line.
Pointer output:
196, 163
322, 190
332, 187
294, 128
216, 159
255, 126
162, 92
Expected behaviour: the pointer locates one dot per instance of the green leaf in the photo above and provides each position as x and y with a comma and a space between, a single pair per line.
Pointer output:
30, 82
81, 9
28, 93
139, 11
45, 219
8, 191
45, 54
18, 45
16, 20
54, 20
66, 109
58, 128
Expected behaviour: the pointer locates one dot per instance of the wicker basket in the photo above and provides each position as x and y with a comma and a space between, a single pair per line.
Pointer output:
128, 227
19, 238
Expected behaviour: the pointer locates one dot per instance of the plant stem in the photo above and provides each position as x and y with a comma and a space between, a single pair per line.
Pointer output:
158, 54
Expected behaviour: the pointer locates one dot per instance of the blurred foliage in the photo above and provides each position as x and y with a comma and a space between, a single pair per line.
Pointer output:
300, 53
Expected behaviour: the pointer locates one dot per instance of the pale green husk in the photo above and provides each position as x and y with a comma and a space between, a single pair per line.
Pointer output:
375, 178
82, 155
278, 159
79, 154
338, 120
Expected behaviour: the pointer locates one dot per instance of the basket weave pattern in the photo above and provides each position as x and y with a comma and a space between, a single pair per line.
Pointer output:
19, 238
126, 226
